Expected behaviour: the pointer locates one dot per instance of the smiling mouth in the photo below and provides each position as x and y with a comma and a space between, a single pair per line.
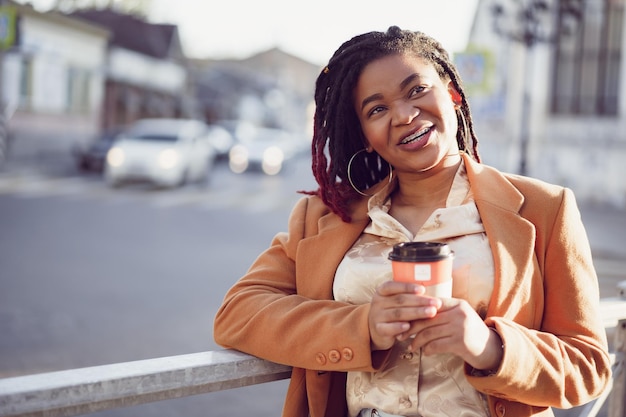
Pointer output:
416, 136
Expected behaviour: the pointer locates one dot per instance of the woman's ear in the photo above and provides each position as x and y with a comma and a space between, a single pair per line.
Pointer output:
454, 95
366, 143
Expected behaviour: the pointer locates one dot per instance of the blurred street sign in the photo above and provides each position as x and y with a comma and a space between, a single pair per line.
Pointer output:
482, 82
8, 28
477, 69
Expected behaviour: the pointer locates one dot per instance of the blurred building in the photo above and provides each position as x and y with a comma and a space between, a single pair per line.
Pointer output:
68, 77
52, 80
547, 91
271, 88
146, 70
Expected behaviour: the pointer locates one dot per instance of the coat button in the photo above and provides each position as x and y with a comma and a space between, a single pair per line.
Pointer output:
407, 355
500, 409
320, 358
334, 356
347, 354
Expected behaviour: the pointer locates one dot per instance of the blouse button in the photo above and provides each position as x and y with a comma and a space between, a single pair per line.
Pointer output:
406, 402
407, 355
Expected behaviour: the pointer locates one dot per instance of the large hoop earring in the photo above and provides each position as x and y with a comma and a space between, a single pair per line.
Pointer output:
350, 176
466, 132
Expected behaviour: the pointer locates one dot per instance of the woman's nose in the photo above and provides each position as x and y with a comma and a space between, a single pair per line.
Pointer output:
404, 113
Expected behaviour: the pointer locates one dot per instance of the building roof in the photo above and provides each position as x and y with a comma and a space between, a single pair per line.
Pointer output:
61, 19
130, 32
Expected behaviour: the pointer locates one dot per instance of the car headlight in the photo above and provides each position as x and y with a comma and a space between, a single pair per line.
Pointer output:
273, 160
115, 157
168, 158
238, 159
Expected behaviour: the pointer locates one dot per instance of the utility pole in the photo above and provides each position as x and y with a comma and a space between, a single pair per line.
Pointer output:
8, 29
531, 22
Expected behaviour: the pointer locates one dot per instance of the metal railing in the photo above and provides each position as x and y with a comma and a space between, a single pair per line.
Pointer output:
85, 390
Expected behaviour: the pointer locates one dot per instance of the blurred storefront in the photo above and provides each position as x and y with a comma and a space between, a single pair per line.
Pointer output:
68, 77
52, 80
546, 82
146, 71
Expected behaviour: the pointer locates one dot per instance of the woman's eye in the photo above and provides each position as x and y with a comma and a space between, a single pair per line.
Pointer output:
375, 110
416, 90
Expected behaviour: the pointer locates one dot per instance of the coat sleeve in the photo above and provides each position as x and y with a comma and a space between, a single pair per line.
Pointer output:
563, 361
264, 315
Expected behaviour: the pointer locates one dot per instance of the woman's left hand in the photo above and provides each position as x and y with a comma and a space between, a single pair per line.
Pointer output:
457, 329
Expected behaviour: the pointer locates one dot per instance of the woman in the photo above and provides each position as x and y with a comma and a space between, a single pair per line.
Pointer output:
395, 156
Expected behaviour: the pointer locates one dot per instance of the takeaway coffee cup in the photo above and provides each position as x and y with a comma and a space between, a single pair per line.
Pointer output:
424, 263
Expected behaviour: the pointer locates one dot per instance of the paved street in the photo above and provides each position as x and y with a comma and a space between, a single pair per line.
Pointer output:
93, 275
606, 225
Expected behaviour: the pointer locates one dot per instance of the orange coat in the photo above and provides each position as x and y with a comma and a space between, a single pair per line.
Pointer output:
544, 304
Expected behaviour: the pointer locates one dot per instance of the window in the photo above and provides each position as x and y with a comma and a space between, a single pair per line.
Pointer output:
26, 82
588, 59
78, 91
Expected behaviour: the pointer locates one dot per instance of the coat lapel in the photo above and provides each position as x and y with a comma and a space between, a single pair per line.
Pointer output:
512, 238
320, 254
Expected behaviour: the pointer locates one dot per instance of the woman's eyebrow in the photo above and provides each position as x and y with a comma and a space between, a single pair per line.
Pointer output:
368, 100
408, 80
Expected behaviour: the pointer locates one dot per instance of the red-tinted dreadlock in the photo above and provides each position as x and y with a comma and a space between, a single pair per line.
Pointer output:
336, 130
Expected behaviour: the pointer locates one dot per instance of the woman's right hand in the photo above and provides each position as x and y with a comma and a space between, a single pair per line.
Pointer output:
393, 307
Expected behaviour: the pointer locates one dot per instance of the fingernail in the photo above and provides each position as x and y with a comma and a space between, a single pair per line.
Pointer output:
430, 310
417, 289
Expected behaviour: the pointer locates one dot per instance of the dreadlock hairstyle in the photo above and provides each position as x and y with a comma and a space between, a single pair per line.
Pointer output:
336, 128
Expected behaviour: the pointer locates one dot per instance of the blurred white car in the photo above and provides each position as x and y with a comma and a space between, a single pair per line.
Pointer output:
221, 139
166, 152
263, 148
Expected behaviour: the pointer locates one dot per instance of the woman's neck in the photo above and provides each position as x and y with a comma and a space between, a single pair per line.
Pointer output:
425, 191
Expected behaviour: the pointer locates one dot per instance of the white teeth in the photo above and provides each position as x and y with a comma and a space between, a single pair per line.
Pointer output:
415, 136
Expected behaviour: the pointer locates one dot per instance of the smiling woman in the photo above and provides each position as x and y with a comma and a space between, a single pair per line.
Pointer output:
420, 91
395, 157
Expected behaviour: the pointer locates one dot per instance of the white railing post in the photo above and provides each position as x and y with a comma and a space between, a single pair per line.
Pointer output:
617, 400
86, 390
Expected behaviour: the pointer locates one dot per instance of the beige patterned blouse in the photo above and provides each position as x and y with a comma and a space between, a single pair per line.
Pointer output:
413, 384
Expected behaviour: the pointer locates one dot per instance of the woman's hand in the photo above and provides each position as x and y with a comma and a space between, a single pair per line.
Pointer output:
457, 329
394, 307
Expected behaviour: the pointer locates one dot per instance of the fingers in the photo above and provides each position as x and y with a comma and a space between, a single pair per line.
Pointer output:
431, 339
446, 331
390, 331
457, 329
402, 302
394, 306
392, 288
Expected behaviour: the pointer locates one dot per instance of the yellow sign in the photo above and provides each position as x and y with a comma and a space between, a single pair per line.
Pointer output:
8, 27
476, 67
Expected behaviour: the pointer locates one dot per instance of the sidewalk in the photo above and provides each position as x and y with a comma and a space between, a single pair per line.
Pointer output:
606, 228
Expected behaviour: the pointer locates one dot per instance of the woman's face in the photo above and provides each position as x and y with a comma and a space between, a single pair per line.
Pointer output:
407, 112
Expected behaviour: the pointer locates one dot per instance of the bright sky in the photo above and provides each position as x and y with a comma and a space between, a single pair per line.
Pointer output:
310, 29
